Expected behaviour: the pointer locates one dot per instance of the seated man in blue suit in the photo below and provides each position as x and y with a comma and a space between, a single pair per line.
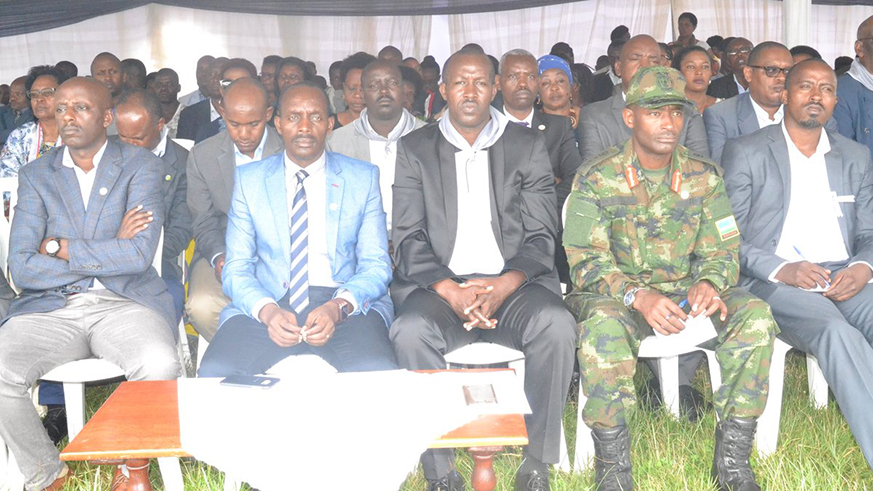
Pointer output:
84, 235
307, 267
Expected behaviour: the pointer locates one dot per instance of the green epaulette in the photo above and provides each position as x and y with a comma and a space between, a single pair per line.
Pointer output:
597, 159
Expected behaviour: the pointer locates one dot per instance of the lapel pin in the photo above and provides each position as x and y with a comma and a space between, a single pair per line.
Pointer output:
104, 191
684, 194
168, 177
541, 127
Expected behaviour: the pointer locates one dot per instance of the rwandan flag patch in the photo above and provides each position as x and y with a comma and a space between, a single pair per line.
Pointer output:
727, 228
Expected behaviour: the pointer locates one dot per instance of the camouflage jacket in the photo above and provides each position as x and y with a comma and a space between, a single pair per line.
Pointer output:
623, 229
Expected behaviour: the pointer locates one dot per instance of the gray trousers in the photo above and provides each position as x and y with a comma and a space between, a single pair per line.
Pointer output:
98, 323
533, 320
840, 336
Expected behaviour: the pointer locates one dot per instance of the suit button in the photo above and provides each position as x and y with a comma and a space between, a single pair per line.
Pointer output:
773, 242
866, 131
284, 284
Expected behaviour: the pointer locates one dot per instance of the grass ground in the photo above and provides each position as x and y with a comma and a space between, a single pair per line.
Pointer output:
816, 451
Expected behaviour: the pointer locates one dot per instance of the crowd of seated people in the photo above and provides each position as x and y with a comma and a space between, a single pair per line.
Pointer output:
401, 209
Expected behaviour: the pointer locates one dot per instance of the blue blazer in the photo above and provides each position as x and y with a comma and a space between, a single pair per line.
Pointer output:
258, 257
50, 205
854, 111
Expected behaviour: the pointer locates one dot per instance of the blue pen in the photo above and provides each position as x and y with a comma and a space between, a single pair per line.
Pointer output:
683, 303
827, 283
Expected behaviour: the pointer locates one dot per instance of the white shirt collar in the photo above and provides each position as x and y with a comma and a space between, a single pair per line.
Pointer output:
527, 119
67, 160
240, 158
823, 147
740, 87
763, 116
161, 149
291, 168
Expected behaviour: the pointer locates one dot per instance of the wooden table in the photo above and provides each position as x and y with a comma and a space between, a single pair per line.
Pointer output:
140, 421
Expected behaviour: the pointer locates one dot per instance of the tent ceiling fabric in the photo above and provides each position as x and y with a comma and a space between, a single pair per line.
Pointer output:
25, 16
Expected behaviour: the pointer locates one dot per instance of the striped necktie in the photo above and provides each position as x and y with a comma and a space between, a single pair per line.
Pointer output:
299, 248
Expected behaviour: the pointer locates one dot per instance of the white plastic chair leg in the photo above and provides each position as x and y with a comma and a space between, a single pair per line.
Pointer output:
171, 473
668, 366
767, 436
584, 455
714, 370
818, 386
230, 484
74, 396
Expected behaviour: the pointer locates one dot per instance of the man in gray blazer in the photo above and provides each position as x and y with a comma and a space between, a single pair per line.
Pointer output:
85, 232
803, 199
601, 124
139, 121
211, 166
374, 135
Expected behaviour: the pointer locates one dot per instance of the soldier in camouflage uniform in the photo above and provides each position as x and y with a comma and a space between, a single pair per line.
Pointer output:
648, 225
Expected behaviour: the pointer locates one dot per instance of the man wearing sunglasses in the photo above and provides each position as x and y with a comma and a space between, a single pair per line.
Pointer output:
734, 84
758, 108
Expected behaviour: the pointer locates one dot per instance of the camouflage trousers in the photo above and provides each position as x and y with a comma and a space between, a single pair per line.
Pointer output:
609, 340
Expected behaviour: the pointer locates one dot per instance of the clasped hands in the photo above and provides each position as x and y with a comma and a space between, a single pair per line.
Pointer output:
133, 222
843, 286
283, 329
475, 301
668, 318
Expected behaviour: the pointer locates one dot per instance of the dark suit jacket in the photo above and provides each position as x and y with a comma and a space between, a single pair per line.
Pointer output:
193, 117
758, 181
9, 122
602, 88
724, 87
208, 130
426, 210
177, 228
210, 171
50, 205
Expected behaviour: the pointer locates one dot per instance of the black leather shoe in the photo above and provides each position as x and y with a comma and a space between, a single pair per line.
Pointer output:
55, 423
733, 445
532, 481
612, 464
692, 405
450, 482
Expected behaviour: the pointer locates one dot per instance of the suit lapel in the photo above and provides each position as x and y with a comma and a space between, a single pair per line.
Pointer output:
226, 163
68, 187
618, 105
107, 173
448, 177
169, 160
497, 166
278, 199
334, 203
746, 118
835, 168
779, 149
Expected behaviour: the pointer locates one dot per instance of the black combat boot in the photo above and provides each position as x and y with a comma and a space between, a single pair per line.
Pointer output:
612, 464
733, 446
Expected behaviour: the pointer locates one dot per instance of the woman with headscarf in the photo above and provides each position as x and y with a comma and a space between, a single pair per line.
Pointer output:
555, 88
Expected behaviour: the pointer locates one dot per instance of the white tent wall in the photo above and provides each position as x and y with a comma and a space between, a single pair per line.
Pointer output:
175, 37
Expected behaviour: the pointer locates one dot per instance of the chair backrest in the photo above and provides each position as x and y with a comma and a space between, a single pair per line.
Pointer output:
184, 143
8, 188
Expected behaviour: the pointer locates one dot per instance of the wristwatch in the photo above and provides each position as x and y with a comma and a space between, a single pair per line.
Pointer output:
630, 296
53, 247
345, 308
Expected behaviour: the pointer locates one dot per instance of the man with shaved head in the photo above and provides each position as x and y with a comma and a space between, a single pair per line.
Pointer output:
211, 165
206, 111
140, 122
166, 88
474, 231
391, 54
86, 230
374, 135
133, 74
106, 68
803, 199
601, 124
316, 296
854, 111
203, 76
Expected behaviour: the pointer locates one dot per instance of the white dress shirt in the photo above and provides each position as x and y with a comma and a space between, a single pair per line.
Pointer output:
764, 118
527, 119
740, 88
318, 269
161, 148
86, 184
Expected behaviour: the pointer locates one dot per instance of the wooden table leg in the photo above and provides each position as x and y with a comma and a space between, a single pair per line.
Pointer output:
139, 475
483, 478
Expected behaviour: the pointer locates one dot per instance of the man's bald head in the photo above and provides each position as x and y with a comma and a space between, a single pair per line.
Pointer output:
864, 43
246, 109
468, 55
83, 112
640, 51
382, 64
248, 91
98, 92
391, 53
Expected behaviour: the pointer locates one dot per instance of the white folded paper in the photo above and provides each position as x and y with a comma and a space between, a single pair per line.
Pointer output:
697, 330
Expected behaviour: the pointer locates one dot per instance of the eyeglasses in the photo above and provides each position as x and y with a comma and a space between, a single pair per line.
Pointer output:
772, 71
743, 51
44, 93
225, 83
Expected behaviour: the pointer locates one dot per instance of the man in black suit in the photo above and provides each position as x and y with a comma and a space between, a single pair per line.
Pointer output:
139, 119
737, 55
474, 230
603, 84
205, 111
518, 85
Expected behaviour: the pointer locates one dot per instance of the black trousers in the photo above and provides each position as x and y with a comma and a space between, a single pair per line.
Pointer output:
242, 345
533, 320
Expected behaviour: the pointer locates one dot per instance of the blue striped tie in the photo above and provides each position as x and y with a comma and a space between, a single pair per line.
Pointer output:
299, 248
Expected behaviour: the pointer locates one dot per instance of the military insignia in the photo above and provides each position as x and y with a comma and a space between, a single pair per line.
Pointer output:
727, 228
676, 181
684, 194
664, 81
630, 173
168, 177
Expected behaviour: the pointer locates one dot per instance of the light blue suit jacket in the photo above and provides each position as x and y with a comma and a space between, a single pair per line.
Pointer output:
258, 240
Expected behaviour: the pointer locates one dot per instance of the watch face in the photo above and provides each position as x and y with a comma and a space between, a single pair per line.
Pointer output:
52, 247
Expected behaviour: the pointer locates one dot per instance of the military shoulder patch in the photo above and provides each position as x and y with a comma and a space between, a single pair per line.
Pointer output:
597, 159
700, 158
727, 228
